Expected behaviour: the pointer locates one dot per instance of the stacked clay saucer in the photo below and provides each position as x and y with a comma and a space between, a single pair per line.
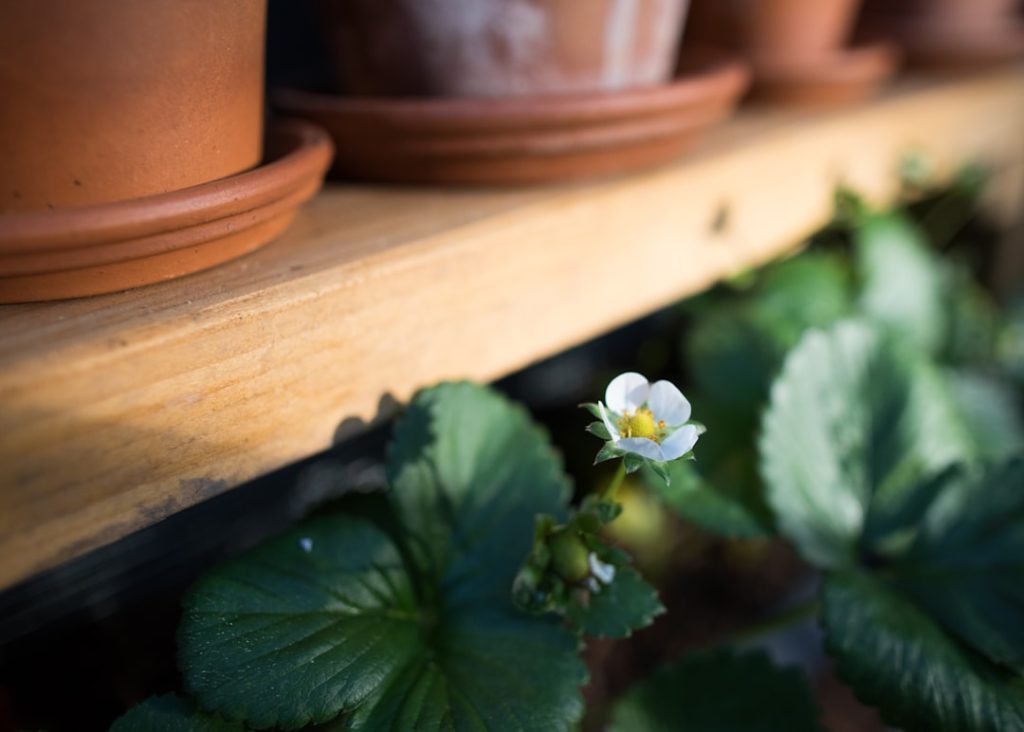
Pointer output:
494, 97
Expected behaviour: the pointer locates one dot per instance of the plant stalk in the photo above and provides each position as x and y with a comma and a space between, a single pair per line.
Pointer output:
612, 490
785, 619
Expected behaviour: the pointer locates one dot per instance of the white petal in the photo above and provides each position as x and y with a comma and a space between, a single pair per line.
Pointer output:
627, 392
605, 573
643, 447
612, 430
679, 442
668, 403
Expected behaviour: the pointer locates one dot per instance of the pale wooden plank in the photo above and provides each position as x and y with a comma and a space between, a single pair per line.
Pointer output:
118, 410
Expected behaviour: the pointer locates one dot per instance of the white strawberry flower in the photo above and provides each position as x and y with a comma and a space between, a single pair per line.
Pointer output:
648, 420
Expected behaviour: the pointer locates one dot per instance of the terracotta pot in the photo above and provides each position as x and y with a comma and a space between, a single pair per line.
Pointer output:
842, 78
524, 140
109, 100
948, 33
501, 48
711, 23
792, 31
964, 15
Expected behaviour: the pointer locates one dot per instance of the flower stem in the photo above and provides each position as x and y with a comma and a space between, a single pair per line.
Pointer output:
613, 487
786, 618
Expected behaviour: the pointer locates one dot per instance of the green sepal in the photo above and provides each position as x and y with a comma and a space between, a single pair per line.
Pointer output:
540, 555
661, 470
609, 451
608, 553
633, 462
603, 511
597, 429
593, 408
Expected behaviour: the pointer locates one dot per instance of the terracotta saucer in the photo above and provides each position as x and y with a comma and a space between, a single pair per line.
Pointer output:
845, 77
521, 140
70, 252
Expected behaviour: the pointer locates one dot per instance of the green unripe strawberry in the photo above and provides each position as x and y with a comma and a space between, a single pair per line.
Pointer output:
568, 555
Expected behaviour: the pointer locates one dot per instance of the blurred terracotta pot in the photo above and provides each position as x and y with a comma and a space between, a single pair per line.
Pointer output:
110, 100
948, 33
502, 48
964, 15
792, 31
799, 49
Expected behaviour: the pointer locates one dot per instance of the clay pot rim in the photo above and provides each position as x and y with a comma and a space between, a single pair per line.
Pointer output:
845, 65
703, 71
296, 151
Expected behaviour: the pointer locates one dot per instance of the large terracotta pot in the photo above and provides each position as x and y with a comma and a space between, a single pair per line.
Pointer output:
109, 100
792, 31
502, 48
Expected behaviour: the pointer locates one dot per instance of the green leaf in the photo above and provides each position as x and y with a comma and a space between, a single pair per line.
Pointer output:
810, 290
971, 180
719, 691
627, 604
903, 283
284, 636
709, 506
469, 471
899, 660
854, 424
966, 567
170, 713
990, 410
974, 321
734, 351
1010, 342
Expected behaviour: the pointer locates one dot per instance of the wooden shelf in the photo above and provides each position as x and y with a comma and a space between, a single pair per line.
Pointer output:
116, 411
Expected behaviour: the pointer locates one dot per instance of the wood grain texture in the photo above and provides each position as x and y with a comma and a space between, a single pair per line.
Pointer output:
116, 411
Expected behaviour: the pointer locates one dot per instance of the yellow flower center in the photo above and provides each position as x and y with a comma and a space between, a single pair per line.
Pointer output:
640, 424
